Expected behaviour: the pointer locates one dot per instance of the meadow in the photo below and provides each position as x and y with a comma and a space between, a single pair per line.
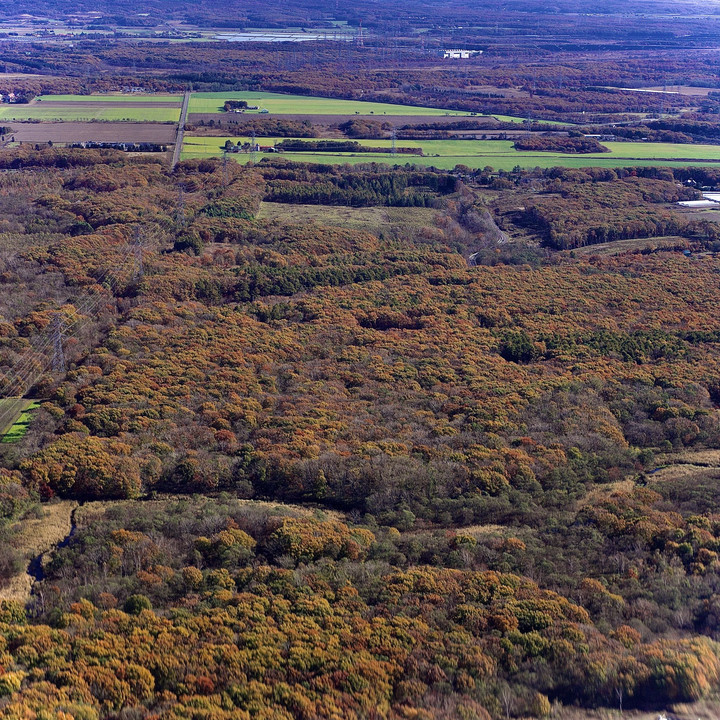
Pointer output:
498, 154
17, 428
377, 220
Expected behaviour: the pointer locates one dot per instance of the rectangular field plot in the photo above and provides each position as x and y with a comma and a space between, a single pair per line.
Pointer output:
74, 132
498, 154
177, 99
84, 111
279, 104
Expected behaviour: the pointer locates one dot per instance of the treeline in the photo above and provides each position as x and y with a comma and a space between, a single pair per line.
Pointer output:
261, 126
323, 185
558, 143
124, 146
649, 133
340, 146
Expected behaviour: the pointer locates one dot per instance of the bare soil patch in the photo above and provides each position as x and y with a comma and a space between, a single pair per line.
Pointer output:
71, 132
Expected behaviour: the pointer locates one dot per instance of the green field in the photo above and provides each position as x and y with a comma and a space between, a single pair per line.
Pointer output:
111, 98
279, 104
498, 154
67, 113
659, 151
18, 413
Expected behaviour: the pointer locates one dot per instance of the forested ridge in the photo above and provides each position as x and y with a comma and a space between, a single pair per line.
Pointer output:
334, 473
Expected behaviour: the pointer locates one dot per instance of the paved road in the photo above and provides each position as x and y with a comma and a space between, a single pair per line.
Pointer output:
180, 131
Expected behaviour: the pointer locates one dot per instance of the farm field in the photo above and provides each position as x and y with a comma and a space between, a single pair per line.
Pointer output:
659, 151
280, 104
72, 132
114, 98
15, 416
78, 111
499, 154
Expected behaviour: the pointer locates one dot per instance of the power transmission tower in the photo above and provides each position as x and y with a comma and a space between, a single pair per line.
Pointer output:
58, 361
393, 151
226, 182
253, 147
138, 269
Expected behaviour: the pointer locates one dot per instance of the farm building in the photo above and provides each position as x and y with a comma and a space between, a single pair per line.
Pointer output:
460, 54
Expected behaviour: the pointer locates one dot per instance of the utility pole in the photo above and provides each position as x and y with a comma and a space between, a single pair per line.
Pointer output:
58, 362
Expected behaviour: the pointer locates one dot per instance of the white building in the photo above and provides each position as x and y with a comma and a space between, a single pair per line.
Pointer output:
460, 54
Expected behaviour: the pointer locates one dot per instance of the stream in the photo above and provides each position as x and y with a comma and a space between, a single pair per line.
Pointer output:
35, 567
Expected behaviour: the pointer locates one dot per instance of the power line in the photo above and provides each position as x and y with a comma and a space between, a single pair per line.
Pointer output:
28, 369
181, 220
90, 304
58, 361
138, 270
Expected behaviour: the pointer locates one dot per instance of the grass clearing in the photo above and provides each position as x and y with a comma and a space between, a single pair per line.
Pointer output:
375, 220
18, 415
709, 458
279, 104
682, 471
498, 154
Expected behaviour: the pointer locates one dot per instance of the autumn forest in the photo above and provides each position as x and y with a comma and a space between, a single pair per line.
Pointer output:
373, 439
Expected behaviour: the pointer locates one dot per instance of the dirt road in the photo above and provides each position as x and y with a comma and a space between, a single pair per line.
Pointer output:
180, 131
